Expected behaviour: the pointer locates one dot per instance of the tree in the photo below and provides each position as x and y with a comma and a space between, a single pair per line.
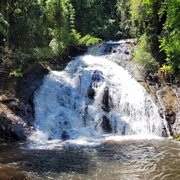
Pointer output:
26, 30
170, 41
124, 17
146, 21
97, 18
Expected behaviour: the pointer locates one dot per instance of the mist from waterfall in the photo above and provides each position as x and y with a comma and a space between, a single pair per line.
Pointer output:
92, 98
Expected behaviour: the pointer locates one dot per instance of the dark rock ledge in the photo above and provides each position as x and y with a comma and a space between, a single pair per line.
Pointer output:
16, 103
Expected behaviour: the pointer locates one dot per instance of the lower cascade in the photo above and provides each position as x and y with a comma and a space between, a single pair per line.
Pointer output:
91, 98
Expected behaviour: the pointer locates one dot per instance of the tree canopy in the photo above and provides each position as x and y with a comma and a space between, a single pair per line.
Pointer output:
42, 29
159, 22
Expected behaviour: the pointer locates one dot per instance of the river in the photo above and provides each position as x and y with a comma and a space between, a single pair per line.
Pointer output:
157, 159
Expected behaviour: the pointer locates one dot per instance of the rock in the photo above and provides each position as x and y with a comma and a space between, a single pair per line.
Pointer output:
79, 50
106, 101
13, 127
18, 132
152, 79
65, 135
169, 101
16, 107
131, 41
171, 118
97, 76
105, 125
126, 52
108, 49
91, 93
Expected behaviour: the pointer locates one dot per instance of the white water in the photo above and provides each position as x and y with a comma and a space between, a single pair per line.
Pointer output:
91, 98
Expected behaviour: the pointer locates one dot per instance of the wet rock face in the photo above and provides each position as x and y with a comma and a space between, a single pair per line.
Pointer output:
105, 125
106, 103
91, 92
118, 47
97, 76
65, 136
96, 79
107, 100
17, 110
169, 102
13, 127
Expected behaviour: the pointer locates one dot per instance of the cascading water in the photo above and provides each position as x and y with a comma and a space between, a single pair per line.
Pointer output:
94, 96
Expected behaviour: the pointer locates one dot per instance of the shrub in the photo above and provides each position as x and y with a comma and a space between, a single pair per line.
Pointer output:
88, 40
165, 73
143, 56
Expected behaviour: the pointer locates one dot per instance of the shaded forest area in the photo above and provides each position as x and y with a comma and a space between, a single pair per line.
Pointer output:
47, 30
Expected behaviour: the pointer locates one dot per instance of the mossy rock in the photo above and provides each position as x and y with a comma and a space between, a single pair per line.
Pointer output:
169, 100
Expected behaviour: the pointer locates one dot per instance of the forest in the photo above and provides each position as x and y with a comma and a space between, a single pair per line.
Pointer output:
45, 30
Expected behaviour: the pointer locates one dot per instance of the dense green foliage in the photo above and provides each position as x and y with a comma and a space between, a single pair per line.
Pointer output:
46, 29
124, 17
170, 41
50, 29
143, 55
96, 17
145, 20
159, 20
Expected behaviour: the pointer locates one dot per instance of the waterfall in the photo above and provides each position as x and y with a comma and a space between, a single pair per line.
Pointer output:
94, 96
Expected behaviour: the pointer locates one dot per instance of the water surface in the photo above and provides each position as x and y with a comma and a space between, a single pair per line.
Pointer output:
156, 159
